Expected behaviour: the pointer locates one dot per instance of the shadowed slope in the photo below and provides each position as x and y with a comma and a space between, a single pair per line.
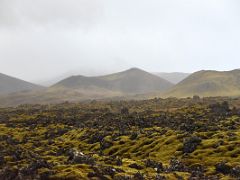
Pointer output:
10, 85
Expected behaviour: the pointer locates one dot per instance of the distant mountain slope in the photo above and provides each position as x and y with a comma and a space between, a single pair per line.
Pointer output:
122, 85
174, 77
10, 84
132, 81
208, 83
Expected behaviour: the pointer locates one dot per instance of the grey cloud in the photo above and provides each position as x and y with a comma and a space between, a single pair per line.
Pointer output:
49, 12
46, 38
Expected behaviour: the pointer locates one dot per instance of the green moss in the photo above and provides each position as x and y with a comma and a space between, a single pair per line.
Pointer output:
156, 135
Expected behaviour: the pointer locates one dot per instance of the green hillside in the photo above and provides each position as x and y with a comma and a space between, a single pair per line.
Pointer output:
132, 81
208, 83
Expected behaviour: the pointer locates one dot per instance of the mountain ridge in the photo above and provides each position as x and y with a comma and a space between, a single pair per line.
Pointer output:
134, 84
208, 83
9, 84
131, 81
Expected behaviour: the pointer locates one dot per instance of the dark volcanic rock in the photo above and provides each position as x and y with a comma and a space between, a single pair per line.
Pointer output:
222, 167
9, 174
31, 169
191, 144
1, 160
138, 176
101, 172
159, 177
176, 165
235, 172
220, 108
136, 166
154, 164
125, 111
77, 157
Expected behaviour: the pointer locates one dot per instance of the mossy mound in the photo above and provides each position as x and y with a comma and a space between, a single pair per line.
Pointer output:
98, 140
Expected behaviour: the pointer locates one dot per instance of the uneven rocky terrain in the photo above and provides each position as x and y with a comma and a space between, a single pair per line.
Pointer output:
159, 139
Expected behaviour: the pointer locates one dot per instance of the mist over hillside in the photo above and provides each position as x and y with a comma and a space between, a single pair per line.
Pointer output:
119, 90
132, 81
10, 84
174, 77
123, 85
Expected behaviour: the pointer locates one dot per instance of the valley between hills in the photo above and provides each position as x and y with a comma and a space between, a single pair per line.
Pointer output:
119, 90
132, 84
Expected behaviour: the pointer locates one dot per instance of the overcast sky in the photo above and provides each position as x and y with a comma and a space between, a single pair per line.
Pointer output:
41, 39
